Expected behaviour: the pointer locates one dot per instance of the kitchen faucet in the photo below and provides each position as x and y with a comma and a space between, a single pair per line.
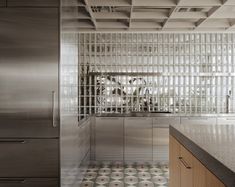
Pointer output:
228, 101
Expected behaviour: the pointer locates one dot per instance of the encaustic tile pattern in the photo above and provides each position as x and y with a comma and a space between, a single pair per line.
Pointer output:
129, 174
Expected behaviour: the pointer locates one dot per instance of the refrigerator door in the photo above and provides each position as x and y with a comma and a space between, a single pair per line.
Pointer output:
2, 3
29, 55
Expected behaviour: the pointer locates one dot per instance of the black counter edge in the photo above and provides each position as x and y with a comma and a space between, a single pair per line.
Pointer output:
224, 174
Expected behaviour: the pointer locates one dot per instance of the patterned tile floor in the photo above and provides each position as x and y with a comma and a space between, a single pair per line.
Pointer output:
130, 174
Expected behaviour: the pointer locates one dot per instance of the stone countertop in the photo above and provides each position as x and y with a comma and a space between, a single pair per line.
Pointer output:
149, 114
213, 145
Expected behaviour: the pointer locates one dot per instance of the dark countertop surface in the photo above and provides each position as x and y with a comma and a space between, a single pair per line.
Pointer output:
213, 145
163, 114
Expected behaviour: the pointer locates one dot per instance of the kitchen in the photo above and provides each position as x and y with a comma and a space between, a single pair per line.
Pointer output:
117, 93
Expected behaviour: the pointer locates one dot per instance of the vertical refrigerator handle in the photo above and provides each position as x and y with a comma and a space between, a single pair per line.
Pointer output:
53, 109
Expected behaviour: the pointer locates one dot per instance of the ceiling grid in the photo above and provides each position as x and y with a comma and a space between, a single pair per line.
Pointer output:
148, 15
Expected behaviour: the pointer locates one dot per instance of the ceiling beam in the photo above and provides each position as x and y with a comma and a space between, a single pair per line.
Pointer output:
131, 11
212, 11
232, 25
89, 10
170, 14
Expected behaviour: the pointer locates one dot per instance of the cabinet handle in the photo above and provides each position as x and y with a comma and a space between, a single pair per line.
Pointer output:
184, 163
53, 109
13, 141
12, 181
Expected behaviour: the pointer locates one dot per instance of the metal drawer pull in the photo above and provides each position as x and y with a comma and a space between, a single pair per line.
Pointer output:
184, 163
13, 141
53, 109
12, 181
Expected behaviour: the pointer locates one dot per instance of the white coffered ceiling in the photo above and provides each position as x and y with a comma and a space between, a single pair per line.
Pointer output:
148, 15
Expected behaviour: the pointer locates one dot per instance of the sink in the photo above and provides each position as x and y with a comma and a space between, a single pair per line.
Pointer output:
160, 112
153, 113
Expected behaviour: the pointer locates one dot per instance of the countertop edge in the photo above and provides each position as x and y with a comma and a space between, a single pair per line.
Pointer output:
223, 173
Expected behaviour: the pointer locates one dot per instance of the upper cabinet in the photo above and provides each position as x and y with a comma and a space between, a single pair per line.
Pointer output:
2, 3
33, 3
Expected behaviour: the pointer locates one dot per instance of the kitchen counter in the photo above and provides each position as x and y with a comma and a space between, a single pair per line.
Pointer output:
212, 145
149, 114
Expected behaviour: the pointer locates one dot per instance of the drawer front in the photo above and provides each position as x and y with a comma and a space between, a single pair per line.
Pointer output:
226, 120
198, 120
29, 158
29, 182
32, 3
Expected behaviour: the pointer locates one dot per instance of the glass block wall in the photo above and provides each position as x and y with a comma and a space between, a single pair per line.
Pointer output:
69, 74
177, 72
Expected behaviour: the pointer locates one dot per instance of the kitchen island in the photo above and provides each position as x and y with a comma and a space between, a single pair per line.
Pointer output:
202, 155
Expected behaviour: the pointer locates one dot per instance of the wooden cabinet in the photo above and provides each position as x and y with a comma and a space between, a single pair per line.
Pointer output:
186, 165
174, 163
212, 181
199, 173
187, 171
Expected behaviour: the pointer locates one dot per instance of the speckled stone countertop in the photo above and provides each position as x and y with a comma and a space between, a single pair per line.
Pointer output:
213, 145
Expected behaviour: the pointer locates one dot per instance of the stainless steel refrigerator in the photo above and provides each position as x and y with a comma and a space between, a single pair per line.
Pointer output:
29, 68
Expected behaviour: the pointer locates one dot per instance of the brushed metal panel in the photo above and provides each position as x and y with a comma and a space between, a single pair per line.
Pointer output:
138, 139
165, 121
84, 139
161, 137
226, 120
161, 144
109, 138
29, 158
198, 120
29, 48
29, 182
2, 3
31, 3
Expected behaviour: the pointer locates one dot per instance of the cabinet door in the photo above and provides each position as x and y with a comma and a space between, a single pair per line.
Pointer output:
161, 137
32, 3
199, 174
29, 158
174, 162
138, 139
109, 138
186, 167
29, 46
29, 182
212, 180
